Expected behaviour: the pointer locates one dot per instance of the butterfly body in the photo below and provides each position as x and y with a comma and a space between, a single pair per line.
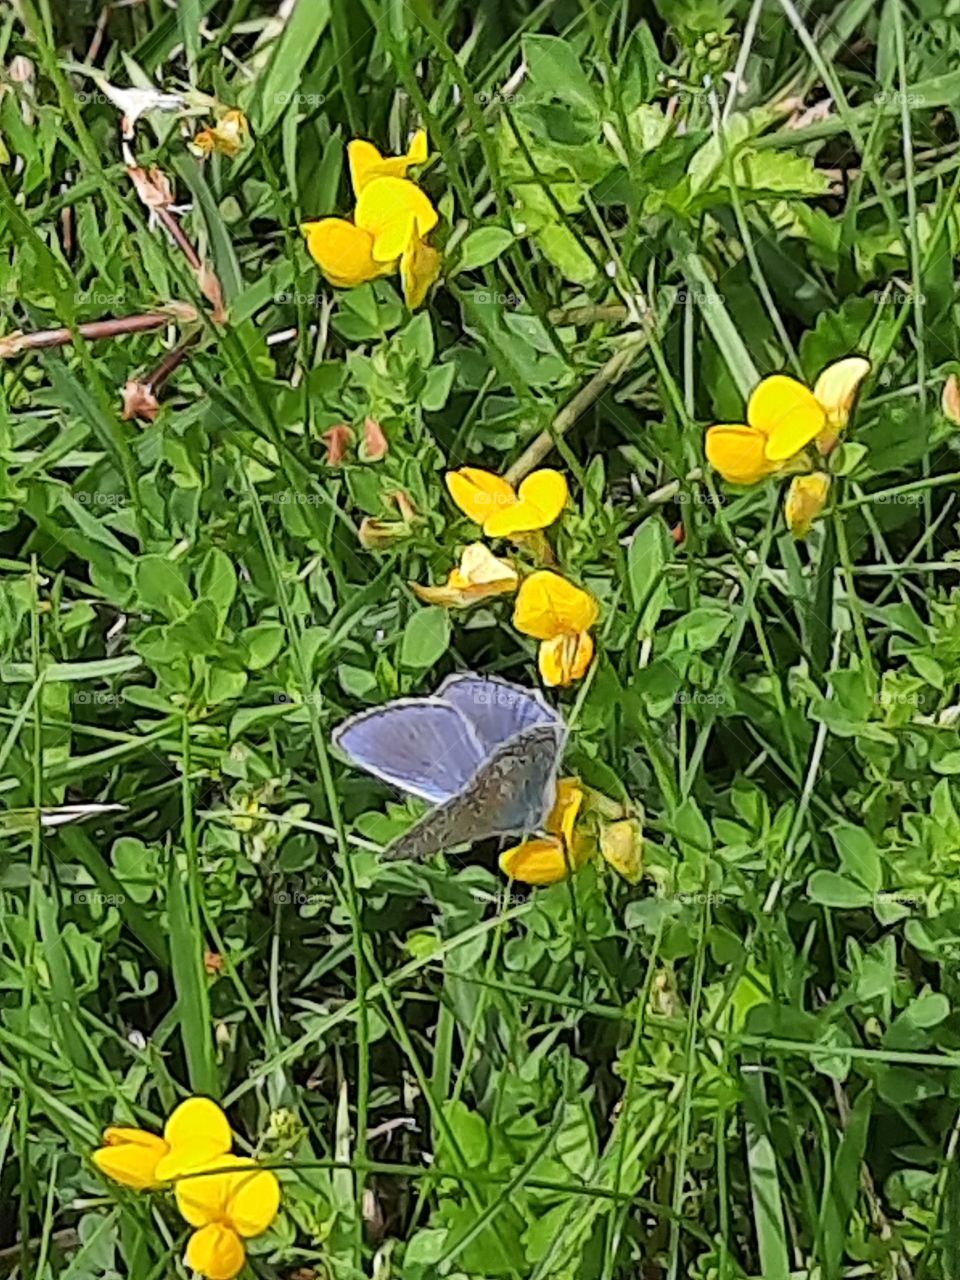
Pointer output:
484, 751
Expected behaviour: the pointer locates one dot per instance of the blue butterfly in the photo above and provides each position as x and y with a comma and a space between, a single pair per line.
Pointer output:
483, 751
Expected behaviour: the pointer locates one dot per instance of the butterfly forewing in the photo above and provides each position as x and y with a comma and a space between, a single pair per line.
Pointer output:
497, 709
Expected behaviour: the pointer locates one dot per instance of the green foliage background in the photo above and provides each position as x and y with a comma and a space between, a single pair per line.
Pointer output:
747, 1065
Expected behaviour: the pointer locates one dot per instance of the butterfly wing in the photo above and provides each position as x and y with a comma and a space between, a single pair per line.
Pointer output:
512, 792
423, 746
497, 709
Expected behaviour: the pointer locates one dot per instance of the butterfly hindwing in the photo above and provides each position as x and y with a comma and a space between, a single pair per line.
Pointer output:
512, 792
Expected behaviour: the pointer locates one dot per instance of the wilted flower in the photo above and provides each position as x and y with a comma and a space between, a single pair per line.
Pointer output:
950, 400
806, 498
226, 137
375, 443
560, 616
375, 534
479, 575
391, 220
502, 511
338, 440
621, 844
783, 418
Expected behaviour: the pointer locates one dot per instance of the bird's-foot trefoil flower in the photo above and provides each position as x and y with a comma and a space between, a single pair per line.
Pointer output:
227, 1201
479, 575
559, 615
388, 233
196, 1132
505, 512
805, 500
784, 417
549, 858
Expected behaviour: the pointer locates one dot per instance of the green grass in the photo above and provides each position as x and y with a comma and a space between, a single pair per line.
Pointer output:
747, 1064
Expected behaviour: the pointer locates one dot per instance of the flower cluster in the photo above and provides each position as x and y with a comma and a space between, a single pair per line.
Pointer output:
548, 607
391, 220
581, 824
784, 418
225, 1198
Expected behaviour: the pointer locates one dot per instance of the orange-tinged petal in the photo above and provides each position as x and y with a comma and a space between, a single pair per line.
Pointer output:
806, 498
215, 1251
391, 210
479, 493
419, 268
540, 861
565, 658
343, 252
738, 453
549, 606
540, 499
479, 575
130, 1157
366, 162
787, 413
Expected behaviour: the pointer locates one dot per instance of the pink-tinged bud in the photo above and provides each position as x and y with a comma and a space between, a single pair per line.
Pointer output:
338, 440
375, 443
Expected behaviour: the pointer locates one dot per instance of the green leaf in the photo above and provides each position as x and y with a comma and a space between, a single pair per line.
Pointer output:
832, 890
161, 586
556, 69
426, 639
482, 246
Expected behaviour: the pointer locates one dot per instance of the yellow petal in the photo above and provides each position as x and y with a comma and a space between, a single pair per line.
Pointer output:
215, 1252
950, 399
540, 861
391, 210
254, 1201
130, 1157
419, 268
196, 1132
737, 452
836, 388
540, 499
479, 575
479, 493
565, 658
806, 498
366, 162
787, 413
343, 252
566, 807
621, 844
549, 606
203, 1192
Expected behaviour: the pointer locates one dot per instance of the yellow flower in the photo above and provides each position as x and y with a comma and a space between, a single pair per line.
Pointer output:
366, 162
228, 1199
343, 252
226, 137
503, 512
560, 616
393, 210
130, 1157
390, 223
479, 575
621, 844
548, 859
806, 498
783, 418
197, 1131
